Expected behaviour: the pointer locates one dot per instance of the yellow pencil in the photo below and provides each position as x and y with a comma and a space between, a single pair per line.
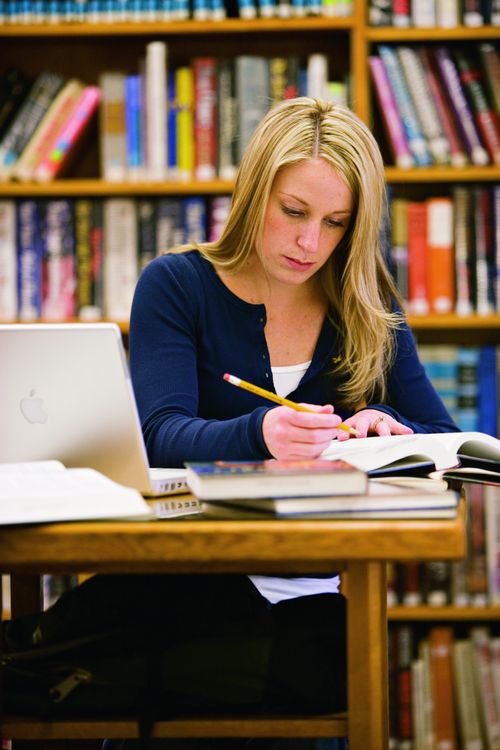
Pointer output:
279, 399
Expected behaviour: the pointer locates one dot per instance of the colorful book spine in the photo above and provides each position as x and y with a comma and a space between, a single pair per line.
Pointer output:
120, 257
485, 116
463, 249
252, 92
8, 261
418, 300
64, 144
416, 141
227, 113
399, 245
58, 298
156, 111
169, 226
440, 646
490, 59
483, 257
29, 260
423, 101
194, 219
495, 231
134, 166
488, 390
83, 256
49, 127
390, 115
14, 87
460, 106
185, 123
205, 118
458, 156
172, 112
440, 255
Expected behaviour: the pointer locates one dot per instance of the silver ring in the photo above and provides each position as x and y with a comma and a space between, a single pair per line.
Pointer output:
377, 422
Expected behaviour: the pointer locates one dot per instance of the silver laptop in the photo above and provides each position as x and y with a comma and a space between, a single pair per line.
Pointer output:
66, 394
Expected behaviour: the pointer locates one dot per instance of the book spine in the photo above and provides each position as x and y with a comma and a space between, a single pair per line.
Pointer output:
49, 128
60, 151
404, 654
423, 13
477, 581
440, 255
401, 14
120, 257
490, 59
463, 249
399, 244
415, 138
466, 701
8, 261
29, 260
156, 110
29, 117
418, 301
485, 687
194, 219
425, 108
485, 116
83, 253
473, 15
169, 227
146, 231
205, 118
58, 302
447, 14
15, 85
458, 156
112, 129
390, 114
218, 213
172, 116
460, 106
134, 166
97, 247
484, 289
317, 75
185, 123
277, 78
495, 210
437, 582
440, 646
492, 524
227, 164
252, 92
488, 390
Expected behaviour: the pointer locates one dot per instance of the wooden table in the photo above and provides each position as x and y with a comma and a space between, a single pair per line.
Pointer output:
361, 548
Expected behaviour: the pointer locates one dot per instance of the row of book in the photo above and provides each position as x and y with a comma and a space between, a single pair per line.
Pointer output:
130, 11
466, 378
439, 104
42, 123
444, 689
473, 581
444, 14
194, 122
444, 252
65, 258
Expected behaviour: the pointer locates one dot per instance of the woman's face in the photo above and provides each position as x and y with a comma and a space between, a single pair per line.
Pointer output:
307, 215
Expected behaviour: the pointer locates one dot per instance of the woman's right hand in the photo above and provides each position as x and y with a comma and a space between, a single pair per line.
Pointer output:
299, 434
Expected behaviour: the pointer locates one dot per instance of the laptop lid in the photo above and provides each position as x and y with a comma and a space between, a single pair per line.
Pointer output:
66, 393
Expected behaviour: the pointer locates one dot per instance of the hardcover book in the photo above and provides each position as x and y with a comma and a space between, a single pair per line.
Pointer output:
242, 479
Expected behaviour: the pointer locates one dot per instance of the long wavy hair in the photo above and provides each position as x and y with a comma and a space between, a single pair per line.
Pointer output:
355, 278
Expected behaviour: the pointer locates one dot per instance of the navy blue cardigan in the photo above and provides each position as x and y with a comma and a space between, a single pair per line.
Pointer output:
187, 329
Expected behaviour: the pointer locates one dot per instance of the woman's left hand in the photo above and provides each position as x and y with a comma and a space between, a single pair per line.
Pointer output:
374, 422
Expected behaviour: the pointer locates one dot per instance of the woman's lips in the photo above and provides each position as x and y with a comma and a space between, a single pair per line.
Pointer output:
297, 264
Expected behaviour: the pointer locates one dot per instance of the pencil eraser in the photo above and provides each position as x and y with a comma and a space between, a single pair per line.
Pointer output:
226, 376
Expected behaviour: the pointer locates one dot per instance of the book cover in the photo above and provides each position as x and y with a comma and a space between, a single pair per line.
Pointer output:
8, 261
58, 294
423, 101
29, 260
259, 479
185, 123
28, 117
64, 146
390, 114
112, 126
227, 117
156, 135
120, 257
440, 255
418, 298
440, 648
417, 142
485, 116
205, 117
50, 125
459, 104
462, 232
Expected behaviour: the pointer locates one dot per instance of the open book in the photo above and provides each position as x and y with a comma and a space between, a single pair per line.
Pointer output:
439, 451
46, 491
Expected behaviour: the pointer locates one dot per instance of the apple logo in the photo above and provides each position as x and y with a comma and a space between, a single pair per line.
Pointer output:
32, 409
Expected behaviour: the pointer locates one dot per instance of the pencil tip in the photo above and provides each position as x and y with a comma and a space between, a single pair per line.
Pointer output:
226, 376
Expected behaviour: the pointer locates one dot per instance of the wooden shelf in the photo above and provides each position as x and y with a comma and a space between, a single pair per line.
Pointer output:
172, 28
100, 188
444, 613
458, 33
455, 322
442, 174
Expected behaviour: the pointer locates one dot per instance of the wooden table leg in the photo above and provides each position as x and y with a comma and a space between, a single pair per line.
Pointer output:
367, 656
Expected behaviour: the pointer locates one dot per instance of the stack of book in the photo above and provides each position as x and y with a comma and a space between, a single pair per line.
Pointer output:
312, 489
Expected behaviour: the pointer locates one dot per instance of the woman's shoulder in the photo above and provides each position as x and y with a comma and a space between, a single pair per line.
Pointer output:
187, 266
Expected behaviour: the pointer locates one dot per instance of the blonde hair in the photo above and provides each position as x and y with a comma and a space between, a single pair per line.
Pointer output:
355, 278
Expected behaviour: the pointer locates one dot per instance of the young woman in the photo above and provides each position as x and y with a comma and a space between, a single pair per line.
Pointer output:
294, 297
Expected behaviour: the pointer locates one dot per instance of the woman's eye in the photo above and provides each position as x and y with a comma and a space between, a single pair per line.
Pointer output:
334, 223
292, 211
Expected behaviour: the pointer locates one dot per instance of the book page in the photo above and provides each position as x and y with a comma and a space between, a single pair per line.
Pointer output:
70, 495
26, 467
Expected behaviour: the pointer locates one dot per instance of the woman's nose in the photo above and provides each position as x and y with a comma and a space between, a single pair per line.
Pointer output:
309, 237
